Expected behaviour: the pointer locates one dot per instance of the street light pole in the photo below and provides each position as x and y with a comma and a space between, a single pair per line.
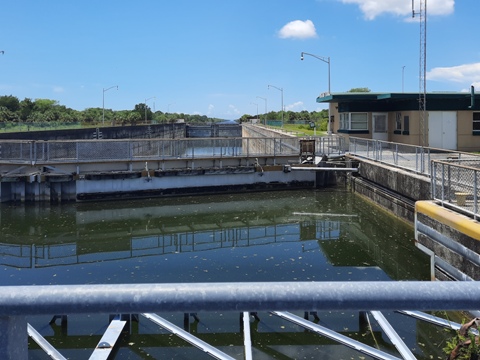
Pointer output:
153, 97
325, 60
281, 90
103, 102
257, 108
265, 116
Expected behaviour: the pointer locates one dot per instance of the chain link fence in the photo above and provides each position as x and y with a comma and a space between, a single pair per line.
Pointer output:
456, 183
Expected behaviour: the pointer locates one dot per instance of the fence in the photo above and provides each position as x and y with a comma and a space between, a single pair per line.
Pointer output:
40, 152
33, 152
18, 302
454, 175
409, 157
456, 184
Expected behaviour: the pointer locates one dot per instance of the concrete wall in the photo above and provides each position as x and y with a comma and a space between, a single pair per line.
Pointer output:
394, 189
169, 131
214, 130
164, 131
452, 241
449, 238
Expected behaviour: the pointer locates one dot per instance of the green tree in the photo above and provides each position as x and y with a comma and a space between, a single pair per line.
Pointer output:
363, 89
10, 102
141, 109
134, 117
26, 108
92, 115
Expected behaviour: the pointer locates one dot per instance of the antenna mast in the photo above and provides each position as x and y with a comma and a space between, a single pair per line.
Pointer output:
422, 100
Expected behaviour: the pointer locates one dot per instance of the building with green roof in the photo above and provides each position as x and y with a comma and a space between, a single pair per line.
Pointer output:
452, 119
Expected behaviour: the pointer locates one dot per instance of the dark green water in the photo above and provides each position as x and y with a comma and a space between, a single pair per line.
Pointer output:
328, 235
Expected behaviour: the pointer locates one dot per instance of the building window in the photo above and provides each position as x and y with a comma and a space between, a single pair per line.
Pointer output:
476, 121
398, 121
354, 121
406, 125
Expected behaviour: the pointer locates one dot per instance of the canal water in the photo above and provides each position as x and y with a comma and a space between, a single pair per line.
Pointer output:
300, 235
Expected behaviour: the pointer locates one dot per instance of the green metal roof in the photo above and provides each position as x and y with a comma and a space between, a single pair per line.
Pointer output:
396, 101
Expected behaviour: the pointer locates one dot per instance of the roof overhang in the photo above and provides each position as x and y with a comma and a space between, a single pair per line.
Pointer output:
368, 96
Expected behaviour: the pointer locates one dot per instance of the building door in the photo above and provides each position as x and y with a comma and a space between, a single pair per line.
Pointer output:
380, 126
442, 129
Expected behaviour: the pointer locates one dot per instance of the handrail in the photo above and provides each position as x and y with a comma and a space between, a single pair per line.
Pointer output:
270, 296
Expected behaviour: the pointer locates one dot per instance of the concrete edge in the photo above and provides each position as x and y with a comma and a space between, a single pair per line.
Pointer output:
450, 218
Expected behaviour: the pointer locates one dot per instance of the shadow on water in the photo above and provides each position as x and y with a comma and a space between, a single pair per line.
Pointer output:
328, 235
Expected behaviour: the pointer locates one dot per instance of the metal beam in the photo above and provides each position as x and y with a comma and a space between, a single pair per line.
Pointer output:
344, 340
108, 340
247, 339
279, 296
200, 344
393, 336
44, 344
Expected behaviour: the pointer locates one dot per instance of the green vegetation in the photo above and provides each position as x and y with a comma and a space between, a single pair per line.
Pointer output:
294, 121
43, 114
46, 114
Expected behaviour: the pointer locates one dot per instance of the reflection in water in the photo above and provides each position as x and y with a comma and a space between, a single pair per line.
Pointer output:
277, 236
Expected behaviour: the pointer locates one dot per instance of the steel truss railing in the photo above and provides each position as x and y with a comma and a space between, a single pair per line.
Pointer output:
18, 302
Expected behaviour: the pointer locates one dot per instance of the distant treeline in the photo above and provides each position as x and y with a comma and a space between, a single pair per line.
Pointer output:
291, 117
13, 110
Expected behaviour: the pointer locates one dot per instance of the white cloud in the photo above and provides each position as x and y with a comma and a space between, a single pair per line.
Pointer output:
476, 84
467, 74
298, 29
373, 8
296, 105
58, 89
211, 109
233, 109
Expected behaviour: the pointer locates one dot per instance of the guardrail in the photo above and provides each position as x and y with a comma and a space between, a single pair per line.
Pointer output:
456, 184
40, 152
81, 151
454, 175
19, 302
409, 157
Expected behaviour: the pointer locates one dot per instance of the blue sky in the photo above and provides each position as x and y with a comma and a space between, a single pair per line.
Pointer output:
217, 57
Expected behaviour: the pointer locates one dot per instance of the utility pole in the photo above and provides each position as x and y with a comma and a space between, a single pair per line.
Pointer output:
422, 100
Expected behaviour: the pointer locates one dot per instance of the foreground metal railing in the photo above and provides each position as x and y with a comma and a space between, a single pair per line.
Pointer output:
456, 184
19, 302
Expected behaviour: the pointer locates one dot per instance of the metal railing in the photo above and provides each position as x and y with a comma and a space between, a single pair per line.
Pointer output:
454, 175
456, 184
34, 152
408, 157
81, 151
19, 302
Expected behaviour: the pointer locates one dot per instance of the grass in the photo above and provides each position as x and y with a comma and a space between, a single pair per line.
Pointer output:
303, 130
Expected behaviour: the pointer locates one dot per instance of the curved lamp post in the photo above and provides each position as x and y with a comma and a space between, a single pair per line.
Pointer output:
103, 102
281, 90
325, 60
153, 97
265, 117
